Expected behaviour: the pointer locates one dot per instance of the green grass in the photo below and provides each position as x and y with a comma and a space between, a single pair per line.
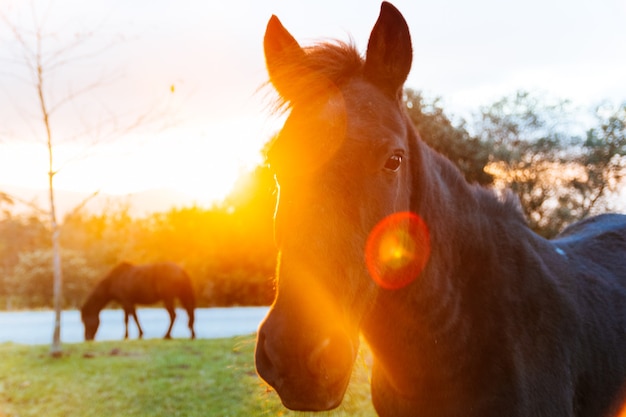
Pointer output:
149, 378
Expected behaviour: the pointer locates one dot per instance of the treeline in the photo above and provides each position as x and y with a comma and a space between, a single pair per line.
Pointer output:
561, 170
228, 249
564, 163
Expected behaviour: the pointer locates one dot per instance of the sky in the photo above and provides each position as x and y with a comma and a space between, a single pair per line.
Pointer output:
194, 72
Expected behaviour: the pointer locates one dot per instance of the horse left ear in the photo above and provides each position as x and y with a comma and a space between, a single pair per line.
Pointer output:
389, 51
284, 57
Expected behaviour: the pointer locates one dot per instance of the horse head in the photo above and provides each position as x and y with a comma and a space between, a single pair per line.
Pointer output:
91, 322
340, 163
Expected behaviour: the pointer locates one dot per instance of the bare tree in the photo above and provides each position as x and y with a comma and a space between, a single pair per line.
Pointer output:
37, 66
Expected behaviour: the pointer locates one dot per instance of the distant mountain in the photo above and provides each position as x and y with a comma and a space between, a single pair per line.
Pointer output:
139, 204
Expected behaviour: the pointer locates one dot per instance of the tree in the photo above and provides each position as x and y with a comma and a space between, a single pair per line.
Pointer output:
469, 153
18, 234
39, 64
530, 140
27, 282
602, 159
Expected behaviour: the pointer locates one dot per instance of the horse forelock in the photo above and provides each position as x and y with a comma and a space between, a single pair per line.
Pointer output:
326, 67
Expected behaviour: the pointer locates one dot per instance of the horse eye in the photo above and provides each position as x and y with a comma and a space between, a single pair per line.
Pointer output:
393, 163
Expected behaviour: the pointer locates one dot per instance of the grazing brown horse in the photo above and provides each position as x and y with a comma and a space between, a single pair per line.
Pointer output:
466, 310
129, 285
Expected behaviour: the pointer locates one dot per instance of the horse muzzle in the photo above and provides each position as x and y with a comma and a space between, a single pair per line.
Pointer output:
308, 375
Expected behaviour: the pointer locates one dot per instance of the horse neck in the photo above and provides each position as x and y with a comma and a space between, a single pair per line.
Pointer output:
429, 319
98, 298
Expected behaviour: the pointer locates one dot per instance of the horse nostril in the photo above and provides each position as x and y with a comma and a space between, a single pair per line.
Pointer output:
263, 363
332, 359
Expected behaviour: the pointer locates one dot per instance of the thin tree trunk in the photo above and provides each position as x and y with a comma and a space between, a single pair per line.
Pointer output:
55, 348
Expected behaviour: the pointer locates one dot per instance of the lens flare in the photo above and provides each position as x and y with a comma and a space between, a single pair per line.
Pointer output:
397, 250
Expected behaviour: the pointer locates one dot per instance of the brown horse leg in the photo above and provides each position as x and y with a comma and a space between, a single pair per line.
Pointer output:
137, 322
190, 313
129, 310
125, 324
169, 306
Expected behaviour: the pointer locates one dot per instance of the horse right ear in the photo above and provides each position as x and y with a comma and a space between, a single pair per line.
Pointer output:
389, 51
284, 58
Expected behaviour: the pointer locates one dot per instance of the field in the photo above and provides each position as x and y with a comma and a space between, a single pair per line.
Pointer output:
149, 378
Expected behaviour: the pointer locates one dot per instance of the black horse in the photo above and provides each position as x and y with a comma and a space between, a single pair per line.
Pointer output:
466, 310
129, 285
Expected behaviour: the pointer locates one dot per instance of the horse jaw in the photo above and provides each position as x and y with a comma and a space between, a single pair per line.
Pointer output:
312, 370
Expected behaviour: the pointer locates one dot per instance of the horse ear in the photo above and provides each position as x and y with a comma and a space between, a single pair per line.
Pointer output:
284, 57
389, 51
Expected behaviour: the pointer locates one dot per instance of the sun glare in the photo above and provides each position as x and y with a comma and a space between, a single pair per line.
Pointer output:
397, 250
202, 165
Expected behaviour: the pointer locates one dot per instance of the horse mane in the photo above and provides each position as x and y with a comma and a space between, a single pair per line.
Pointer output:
117, 270
328, 64
437, 182
99, 297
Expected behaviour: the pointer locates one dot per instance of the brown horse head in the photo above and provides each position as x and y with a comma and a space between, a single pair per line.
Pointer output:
340, 162
99, 297
91, 322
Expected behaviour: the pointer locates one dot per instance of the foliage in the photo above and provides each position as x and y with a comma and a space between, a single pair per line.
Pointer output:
18, 234
528, 136
228, 250
229, 256
469, 153
30, 284
534, 152
602, 161
527, 142
151, 378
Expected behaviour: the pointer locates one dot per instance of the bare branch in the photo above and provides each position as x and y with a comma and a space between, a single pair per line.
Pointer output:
6, 198
80, 205
60, 58
75, 94
12, 198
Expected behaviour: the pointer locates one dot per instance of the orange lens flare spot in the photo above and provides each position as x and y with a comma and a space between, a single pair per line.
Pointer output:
397, 250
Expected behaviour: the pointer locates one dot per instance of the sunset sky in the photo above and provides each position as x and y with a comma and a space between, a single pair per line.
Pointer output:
197, 69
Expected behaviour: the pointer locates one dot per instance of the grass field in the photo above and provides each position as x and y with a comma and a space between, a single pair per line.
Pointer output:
149, 378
